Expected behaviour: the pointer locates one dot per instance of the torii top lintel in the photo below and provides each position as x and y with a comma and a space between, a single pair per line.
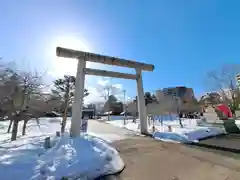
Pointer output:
97, 58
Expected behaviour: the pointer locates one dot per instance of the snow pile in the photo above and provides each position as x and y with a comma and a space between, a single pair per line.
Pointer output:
86, 156
191, 131
188, 134
237, 122
204, 132
19, 158
113, 118
170, 137
133, 127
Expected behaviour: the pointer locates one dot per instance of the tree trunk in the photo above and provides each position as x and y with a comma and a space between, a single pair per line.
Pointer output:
10, 126
15, 128
24, 127
64, 119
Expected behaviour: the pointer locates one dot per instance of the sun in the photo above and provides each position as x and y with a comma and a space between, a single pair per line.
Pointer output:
61, 66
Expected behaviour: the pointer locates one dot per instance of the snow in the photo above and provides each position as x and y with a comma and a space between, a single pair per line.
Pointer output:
87, 157
107, 137
190, 132
84, 157
237, 122
185, 134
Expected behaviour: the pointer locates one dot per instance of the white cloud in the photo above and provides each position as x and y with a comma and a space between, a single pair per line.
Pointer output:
95, 94
118, 86
95, 89
103, 82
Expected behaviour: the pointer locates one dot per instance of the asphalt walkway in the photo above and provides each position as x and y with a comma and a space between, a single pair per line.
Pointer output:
149, 159
108, 131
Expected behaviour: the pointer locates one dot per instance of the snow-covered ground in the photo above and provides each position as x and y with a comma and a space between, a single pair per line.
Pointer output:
170, 130
85, 157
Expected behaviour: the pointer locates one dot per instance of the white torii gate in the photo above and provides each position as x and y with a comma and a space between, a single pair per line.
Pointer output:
80, 80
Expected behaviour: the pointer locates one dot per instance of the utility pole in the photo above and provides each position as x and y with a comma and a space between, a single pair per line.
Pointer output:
177, 101
109, 85
136, 106
108, 102
124, 102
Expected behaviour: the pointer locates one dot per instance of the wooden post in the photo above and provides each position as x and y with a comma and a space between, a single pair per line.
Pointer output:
58, 133
170, 128
47, 143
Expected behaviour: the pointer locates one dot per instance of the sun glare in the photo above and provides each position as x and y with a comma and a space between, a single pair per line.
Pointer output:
61, 66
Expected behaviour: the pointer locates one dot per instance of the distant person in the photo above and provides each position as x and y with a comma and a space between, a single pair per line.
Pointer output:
180, 115
134, 120
184, 115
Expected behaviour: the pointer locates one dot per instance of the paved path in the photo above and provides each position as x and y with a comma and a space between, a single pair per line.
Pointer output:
108, 131
150, 159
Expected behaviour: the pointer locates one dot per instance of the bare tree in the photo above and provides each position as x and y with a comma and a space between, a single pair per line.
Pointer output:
8, 84
107, 90
29, 85
19, 89
167, 105
223, 80
38, 105
133, 108
211, 98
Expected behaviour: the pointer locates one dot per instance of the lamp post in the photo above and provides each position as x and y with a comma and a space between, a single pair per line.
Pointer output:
109, 87
178, 103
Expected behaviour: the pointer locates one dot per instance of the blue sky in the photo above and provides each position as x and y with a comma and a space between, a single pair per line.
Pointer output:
182, 38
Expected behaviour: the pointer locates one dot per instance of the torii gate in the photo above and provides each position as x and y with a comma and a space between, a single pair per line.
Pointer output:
80, 80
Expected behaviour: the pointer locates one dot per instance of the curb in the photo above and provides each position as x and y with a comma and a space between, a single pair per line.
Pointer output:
215, 147
219, 148
103, 177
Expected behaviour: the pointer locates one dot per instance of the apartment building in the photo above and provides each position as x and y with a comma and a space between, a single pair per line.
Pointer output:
238, 80
175, 99
181, 92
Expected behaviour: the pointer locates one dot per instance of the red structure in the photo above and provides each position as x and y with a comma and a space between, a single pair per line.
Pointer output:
225, 110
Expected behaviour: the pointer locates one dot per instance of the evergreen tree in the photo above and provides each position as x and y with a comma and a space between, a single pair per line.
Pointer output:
64, 89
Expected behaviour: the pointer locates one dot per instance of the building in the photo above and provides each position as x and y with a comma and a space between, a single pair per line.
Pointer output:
238, 80
173, 100
181, 92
